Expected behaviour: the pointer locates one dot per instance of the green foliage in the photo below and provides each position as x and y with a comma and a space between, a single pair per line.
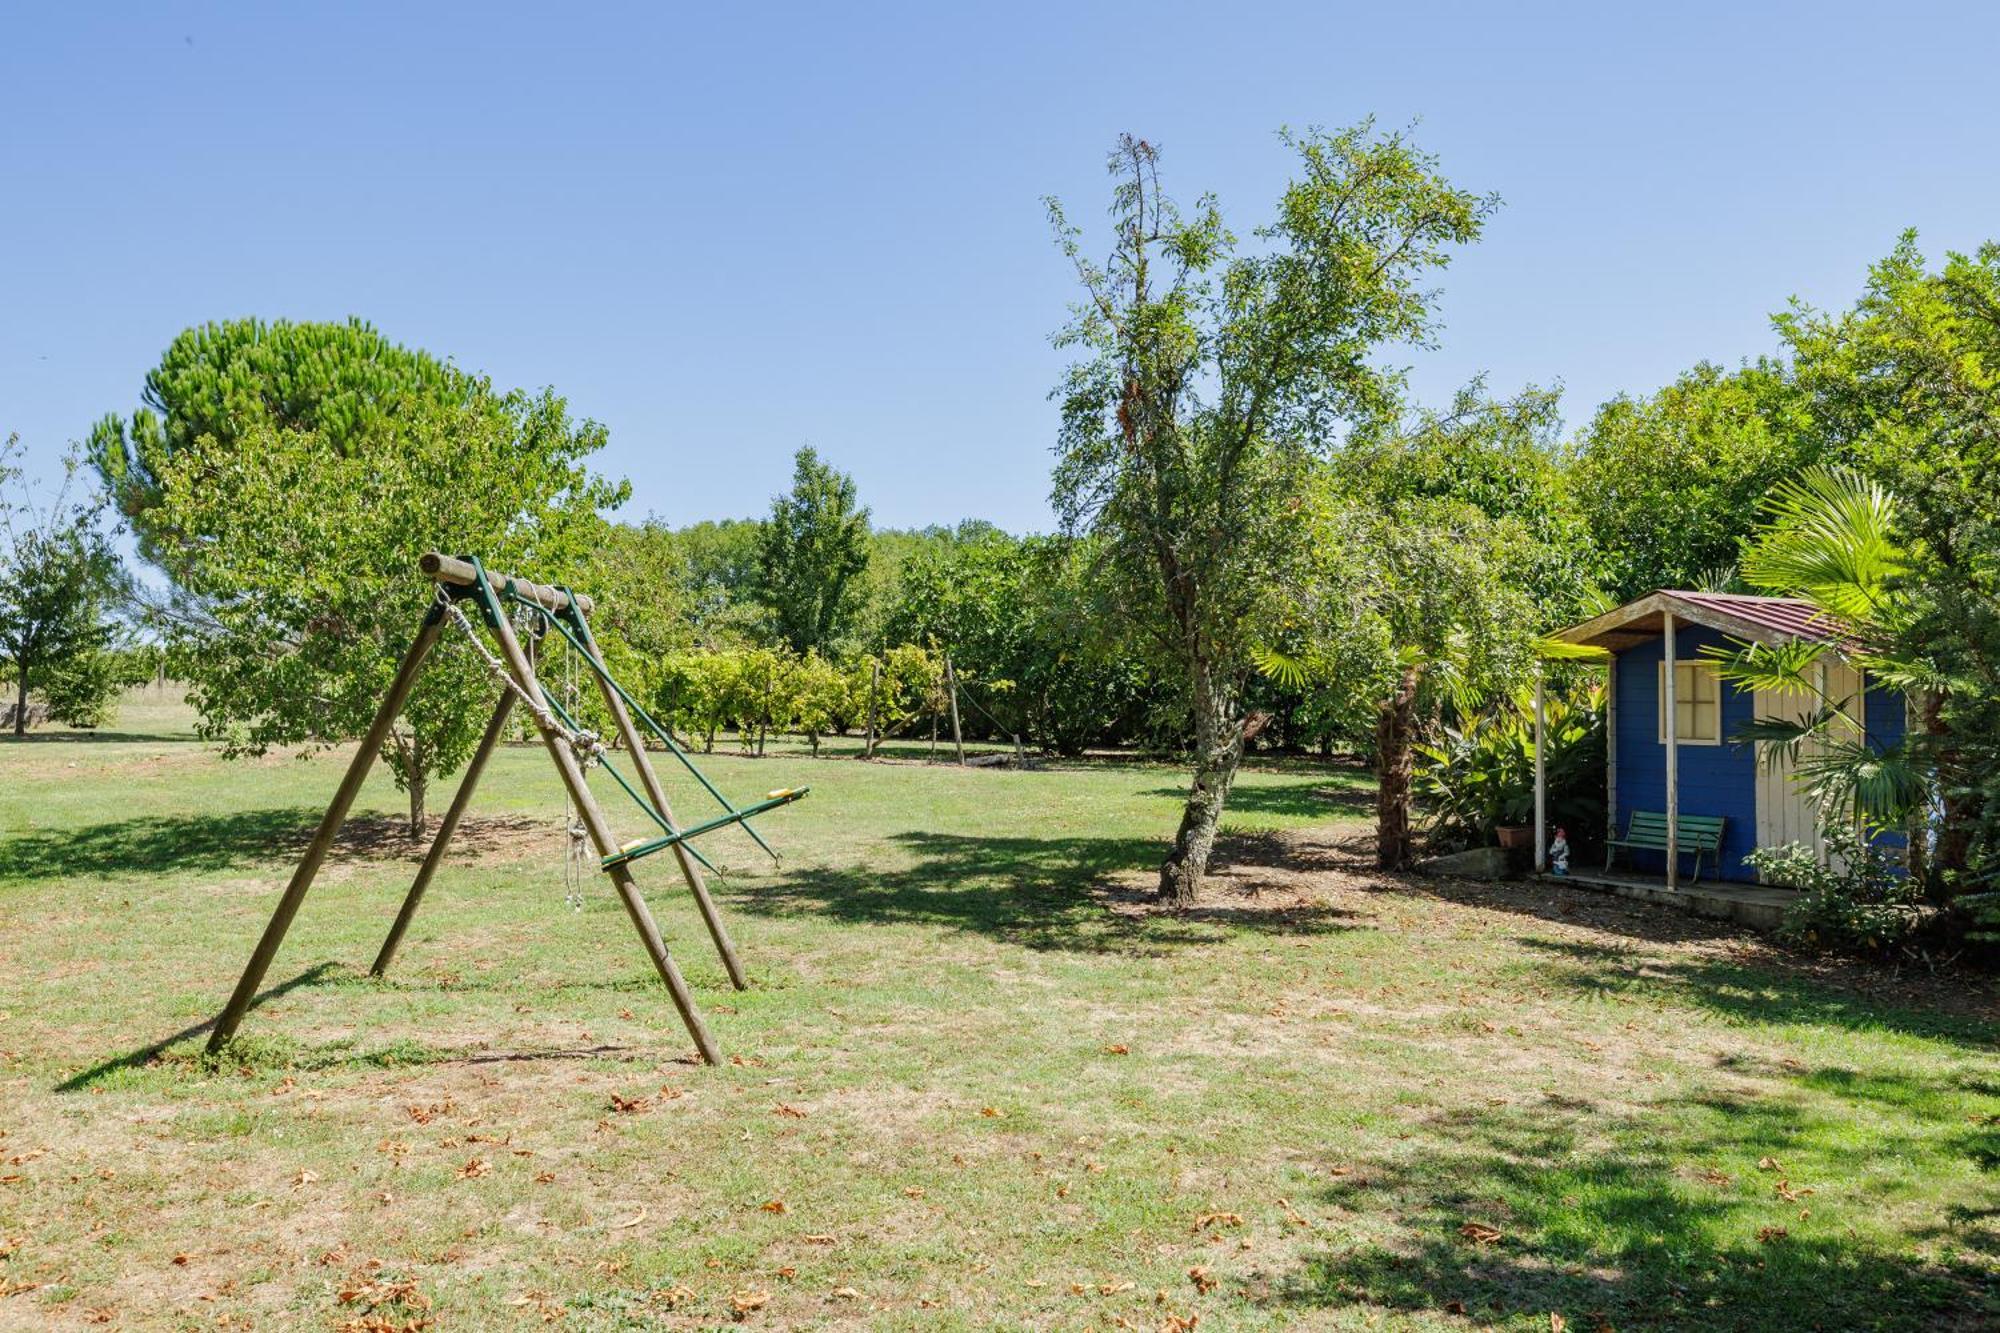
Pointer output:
1499, 457
1669, 485
810, 556
239, 379
1027, 631
59, 584
291, 535
1830, 539
1480, 774
1907, 382
1855, 899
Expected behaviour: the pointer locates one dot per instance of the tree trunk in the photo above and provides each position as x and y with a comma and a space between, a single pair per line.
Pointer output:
1218, 749
1960, 804
1395, 736
418, 820
21, 700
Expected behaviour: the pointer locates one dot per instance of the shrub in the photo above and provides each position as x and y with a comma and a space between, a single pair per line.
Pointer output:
1854, 898
1481, 775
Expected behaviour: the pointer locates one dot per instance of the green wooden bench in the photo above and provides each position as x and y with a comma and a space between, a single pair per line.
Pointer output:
1647, 831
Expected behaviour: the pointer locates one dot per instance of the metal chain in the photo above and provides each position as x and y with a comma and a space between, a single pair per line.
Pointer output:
589, 750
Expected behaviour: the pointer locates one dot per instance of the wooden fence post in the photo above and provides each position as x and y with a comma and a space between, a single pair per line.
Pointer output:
957, 736
874, 699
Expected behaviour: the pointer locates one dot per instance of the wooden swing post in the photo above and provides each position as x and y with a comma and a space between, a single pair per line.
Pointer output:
621, 717
593, 816
329, 827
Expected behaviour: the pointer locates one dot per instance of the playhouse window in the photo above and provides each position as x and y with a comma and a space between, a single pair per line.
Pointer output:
1697, 704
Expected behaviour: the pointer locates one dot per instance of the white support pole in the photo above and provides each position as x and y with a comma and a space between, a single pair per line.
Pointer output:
1670, 728
1541, 777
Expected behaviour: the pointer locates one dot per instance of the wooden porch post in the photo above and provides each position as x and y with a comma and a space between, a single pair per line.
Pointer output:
1670, 728
1541, 776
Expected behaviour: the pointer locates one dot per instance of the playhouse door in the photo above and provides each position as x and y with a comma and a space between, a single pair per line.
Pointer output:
1784, 812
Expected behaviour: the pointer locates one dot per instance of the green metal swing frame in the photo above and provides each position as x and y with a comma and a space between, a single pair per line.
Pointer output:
557, 609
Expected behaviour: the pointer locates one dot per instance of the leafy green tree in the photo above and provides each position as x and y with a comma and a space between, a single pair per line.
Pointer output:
59, 586
236, 379
1670, 485
288, 495
1029, 632
810, 556
1208, 381
1412, 607
1906, 384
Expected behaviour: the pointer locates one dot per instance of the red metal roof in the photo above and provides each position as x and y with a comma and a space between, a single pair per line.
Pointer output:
1783, 615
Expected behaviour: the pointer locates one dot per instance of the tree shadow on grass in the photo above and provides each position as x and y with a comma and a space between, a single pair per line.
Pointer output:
319, 974
153, 844
1770, 989
1298, 800
1071, 894
1664, 1220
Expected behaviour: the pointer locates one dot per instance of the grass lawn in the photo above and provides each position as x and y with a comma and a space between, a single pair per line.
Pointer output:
976, 1082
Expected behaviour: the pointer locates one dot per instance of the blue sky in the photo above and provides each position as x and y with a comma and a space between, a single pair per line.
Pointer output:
733, 230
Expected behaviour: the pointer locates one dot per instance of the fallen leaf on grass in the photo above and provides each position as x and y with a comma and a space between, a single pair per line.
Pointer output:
303, 1179
1114, 1288
631, 1221
818, 1238
1119, 1049
846, 1294
991, 1112
11, 1288
1769, 1164
913, 1191
1203, 1221
1715, 1177
1203, 1281
1765, 1235
474, 1168
1784, 1190
1481, 1234
627, 1105
790, 1112
545, 1177
776, 1206
1293, 1216
743, 1302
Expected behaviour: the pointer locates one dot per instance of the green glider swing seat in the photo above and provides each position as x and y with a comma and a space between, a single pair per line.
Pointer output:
572, 748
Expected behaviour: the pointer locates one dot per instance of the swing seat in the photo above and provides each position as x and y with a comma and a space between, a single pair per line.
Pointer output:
632, 851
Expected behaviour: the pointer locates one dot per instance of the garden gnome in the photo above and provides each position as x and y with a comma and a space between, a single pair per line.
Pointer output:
1559, 853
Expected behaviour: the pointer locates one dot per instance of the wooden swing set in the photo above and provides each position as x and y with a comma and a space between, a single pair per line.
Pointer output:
573, 750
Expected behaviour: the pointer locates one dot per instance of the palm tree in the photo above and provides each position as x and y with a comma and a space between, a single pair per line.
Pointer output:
1830, 540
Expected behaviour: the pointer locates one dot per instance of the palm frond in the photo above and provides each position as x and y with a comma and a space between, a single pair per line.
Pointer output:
1287, 670
1788, 668
1831, 540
